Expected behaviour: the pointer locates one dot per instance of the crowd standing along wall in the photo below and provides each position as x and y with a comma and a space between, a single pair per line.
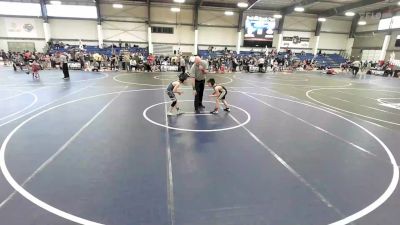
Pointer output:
215, 29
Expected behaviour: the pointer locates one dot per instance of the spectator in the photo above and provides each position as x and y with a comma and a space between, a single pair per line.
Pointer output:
261, 63
183, 64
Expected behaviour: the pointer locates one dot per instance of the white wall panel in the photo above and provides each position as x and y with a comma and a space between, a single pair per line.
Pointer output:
336, 26
129, 12
184, 48
164, 15
370, 55
368, 27
125, 31
217, 18
369, 41
217, 36
73, 29
3, 31
299, 23
333, 41
182, 35
37, 23
39, 45
393, 42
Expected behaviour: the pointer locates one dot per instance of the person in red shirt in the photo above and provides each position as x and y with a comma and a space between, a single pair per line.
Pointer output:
150, 59
35, 70
27, 57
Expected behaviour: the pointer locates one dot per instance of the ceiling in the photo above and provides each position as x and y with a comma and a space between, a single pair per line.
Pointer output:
326, 8
320, 7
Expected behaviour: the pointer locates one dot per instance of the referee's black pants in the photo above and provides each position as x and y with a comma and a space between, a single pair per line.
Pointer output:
198, 99
65, 70
355, 71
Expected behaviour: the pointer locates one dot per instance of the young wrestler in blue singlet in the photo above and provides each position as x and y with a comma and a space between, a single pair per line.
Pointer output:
172, 89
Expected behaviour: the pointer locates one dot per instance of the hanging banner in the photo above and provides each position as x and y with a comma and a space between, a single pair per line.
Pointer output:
295, 42
20, 27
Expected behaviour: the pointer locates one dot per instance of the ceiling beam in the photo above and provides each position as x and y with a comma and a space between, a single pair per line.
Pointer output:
280, 24
196, 14
149, 12
342, 9
231, 6
240, 22
303, 3
44, 11
252, 3
219, 4
354, 24
98, 12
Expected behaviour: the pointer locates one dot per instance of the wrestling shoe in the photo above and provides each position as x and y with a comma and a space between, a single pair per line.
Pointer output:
214, 112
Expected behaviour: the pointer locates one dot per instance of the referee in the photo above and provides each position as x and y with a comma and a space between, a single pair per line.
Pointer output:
64, 65
199, 71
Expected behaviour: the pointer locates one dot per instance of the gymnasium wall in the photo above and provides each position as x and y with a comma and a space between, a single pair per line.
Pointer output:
369, 38
130, 25
39, 45
392, 47
293, 23
336, 26
6, 26
392, 42
333, 36
369, 41
12, 29
73, 29
330, 41
369, 27
136, 13
126, 31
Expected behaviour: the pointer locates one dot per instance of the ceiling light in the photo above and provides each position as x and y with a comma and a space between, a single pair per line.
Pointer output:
243, 5
277, 16
228, 13
321, 19
350, 13
55, 2
398, 3
179, 1
174, 9
362, 22
299, 9
118, 6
